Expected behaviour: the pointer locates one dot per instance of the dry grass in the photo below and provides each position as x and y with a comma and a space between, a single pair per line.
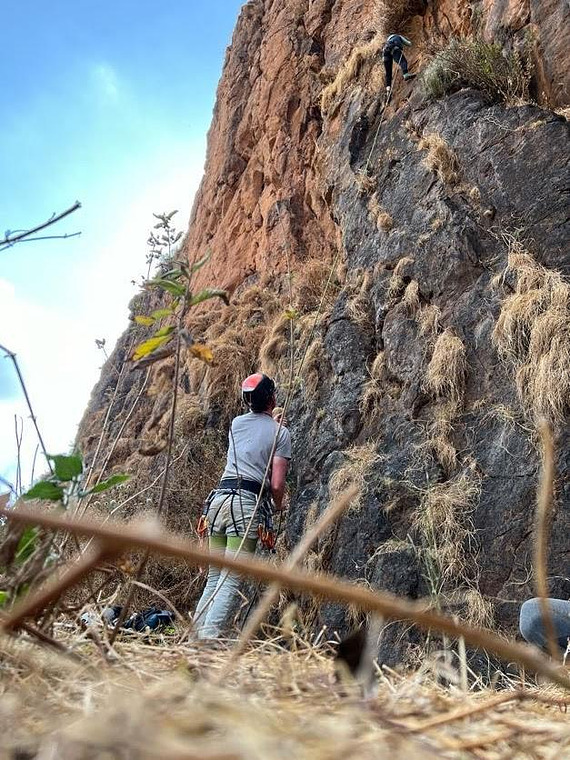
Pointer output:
384, 221
446, 372
411, 298
309, 286
403, 268
444, 523
533, 334
313, 369
438, 443
370, 405
359, 305
365, 183
350, 70
273, 353
159, 701
440, 158
353, 472
428, 319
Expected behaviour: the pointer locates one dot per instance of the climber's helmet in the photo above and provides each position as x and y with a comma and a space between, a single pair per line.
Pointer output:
257, 392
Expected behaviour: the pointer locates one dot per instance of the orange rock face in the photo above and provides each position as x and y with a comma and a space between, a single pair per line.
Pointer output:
264, 198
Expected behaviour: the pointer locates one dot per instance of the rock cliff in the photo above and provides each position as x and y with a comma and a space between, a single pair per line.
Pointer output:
414, 263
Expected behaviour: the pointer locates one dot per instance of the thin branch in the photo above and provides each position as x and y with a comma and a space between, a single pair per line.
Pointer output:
10, 240
541, 534
324, 586
50, 237
11, 355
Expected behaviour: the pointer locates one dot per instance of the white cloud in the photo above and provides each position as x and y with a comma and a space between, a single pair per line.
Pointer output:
56, 346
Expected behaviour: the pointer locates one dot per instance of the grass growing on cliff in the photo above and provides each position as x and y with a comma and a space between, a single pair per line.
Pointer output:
440, 158
402, 271
382, 218
444, 524
349, 70
533, 334
447, 370
500, 75
353, 472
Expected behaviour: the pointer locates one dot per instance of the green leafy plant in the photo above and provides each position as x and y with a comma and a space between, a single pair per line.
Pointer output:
176, 282
64, 482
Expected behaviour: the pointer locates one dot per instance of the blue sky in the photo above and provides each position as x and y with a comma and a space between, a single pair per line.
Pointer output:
107, 103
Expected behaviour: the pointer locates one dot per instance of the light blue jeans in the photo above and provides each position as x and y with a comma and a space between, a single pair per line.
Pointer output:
229, 517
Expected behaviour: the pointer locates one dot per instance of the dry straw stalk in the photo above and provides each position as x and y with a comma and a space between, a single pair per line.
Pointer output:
157, 541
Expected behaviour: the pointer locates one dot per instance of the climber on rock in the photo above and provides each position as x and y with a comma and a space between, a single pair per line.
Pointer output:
238, 511
393, 51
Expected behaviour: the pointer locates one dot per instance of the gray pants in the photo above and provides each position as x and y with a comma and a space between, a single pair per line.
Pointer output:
532, 627
228, 518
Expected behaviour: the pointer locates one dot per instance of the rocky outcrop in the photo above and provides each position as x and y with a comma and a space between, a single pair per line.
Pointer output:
399, 247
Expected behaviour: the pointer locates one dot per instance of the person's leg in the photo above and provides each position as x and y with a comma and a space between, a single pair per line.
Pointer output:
388, 68
531, 622
217, 543
400, 58
241, 509
226, 590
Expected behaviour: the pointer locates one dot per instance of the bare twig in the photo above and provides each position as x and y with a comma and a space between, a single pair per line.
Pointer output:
9, 240
327, 587
541, 535
11, 355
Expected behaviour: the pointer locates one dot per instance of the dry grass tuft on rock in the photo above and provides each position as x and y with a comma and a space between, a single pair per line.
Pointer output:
350, 70
374, 391
438, 443
440, 158
447, 370
428, 320
397, 282
411, 298
533, 333
364, 182
382, 218
444, 524
353, 472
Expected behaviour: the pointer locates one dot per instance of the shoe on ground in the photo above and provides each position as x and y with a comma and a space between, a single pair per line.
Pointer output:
409, 76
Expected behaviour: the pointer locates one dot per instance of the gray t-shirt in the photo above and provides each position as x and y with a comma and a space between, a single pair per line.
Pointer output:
250, 443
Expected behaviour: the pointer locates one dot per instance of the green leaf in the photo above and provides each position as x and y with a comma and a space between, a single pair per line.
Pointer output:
67, 467
207, 293
164, 331
171, 287
44, 490
148, 346
27, 544
140, 319
291, 314
173, 274
160, 313
199, 264
105, 485
4, 596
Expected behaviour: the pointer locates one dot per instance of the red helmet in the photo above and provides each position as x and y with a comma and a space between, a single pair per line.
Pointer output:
257, 391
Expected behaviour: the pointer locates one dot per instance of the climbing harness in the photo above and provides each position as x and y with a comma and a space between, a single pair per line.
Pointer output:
231, 488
